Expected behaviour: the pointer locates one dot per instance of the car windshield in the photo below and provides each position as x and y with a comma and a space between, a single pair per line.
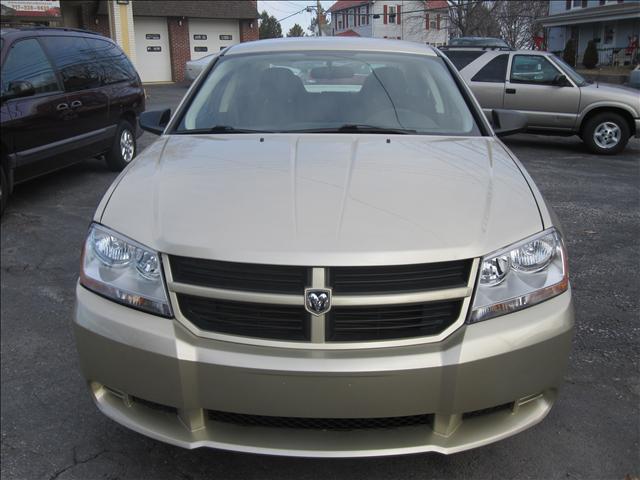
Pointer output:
329, 91
571, 73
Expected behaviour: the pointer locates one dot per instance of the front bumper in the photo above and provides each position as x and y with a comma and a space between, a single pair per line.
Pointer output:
155, 377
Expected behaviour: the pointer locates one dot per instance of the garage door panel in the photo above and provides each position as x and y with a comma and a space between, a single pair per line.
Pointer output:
207, 36
153, 58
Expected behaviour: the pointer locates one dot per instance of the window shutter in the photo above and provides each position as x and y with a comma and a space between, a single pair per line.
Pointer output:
427, 24
367, 10
438, 22
398, 14
385, 18
357, 10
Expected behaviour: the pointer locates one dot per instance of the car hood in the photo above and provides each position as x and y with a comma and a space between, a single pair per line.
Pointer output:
324, 199
606, 92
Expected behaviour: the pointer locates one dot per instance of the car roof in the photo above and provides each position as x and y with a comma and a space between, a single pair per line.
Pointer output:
40, 30
330, 43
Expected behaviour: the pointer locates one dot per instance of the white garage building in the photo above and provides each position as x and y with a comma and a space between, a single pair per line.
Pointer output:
161, 37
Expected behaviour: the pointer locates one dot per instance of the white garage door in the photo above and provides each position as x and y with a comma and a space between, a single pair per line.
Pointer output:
207, 36
153, 59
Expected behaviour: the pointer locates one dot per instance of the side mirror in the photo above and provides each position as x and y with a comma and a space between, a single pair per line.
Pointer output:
508, 122
155, 121
561, 81
18, 89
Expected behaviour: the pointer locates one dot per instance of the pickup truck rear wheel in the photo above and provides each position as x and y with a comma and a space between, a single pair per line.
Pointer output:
124, 147
606, 133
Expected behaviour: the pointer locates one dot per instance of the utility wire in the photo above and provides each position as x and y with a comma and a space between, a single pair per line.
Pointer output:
296, 13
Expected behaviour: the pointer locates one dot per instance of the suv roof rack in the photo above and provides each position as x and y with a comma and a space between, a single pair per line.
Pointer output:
475, 47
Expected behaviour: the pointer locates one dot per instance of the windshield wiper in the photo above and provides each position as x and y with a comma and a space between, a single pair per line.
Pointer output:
221, 129
357, 128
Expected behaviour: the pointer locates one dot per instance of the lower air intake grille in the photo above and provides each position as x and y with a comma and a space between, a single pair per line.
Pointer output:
282, 322
319, 423
390, 321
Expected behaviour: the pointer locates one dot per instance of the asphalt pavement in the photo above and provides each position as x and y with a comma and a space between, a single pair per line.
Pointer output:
51, 429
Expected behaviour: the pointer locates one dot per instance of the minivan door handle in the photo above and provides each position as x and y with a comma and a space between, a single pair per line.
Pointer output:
62, 106
508, 90
76, 104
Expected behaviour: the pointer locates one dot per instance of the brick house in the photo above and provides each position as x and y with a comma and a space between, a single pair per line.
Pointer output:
161, 36
413, 20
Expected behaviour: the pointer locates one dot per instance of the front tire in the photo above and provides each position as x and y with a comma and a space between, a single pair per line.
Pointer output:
606, 133
124, 147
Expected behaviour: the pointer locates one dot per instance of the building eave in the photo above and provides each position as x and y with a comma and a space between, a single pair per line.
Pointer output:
605, 13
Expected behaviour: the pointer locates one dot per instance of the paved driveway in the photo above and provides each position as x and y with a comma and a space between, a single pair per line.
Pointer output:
51, 429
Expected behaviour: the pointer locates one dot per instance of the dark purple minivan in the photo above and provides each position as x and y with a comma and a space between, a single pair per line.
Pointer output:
66, 95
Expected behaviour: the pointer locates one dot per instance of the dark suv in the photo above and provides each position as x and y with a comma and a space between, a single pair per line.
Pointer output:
66, 95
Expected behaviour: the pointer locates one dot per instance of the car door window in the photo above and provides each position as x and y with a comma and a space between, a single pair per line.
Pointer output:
26, 61
115, 65
76, 62
533, 69
494, 72
462, 58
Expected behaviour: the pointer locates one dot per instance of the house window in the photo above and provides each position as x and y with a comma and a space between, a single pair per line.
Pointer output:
438, 22
392, 14
363, 16
609, 33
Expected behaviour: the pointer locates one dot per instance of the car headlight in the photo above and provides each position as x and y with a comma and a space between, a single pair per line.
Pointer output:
521, 275
123, 270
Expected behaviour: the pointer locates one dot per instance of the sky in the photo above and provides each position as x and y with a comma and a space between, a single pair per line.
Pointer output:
281, 9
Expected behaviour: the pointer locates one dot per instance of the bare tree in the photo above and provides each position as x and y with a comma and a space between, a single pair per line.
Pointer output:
519, 21
474, 18
516, 21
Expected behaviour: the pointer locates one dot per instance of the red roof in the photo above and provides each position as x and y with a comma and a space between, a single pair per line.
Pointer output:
342, 4
348, 33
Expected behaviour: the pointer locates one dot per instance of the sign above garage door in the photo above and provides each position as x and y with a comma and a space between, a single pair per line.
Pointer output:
207, 36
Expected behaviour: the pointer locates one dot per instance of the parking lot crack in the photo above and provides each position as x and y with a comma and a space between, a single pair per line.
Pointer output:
76, 462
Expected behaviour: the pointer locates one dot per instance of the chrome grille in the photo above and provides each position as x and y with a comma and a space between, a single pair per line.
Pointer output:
391, 321
411, 304
239, 276
246, 319
399, 278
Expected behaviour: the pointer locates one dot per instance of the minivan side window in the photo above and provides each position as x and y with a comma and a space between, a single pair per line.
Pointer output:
494, 72
115, 65
534, 69
75, 60
26, 61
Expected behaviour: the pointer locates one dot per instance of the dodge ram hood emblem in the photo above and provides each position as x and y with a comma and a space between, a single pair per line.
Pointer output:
317, 300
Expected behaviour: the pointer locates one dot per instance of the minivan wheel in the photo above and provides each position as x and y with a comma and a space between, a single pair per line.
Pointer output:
123, 149
4, 190
606, 133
